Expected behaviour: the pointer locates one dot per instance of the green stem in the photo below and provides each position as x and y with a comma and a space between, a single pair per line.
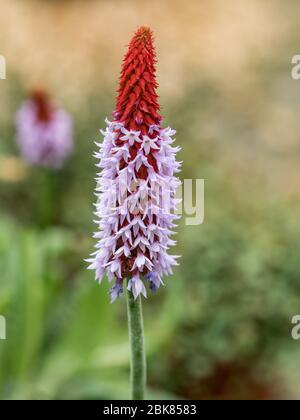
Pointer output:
47, 195
136, 337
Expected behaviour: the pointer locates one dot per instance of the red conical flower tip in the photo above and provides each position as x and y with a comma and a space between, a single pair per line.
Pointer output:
137, 106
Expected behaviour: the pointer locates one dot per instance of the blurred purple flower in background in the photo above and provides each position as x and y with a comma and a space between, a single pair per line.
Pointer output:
44, 132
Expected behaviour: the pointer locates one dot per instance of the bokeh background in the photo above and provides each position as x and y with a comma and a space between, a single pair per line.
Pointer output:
221, 329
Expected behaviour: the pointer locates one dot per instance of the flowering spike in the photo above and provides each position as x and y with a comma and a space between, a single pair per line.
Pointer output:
137, 184
44, 132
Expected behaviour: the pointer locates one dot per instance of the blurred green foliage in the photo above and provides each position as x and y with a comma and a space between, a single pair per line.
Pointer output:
64, 339
217, 330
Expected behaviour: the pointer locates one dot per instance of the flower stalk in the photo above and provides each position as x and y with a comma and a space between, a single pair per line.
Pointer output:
136, 195
137, 347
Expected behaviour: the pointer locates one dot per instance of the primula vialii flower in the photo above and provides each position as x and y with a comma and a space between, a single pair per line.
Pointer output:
136, 185
44, 132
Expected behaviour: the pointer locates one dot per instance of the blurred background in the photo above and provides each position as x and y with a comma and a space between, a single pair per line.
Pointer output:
221, 328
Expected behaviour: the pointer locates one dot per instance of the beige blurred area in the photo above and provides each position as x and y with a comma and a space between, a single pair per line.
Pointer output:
237, 47
80, 41
12, 169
